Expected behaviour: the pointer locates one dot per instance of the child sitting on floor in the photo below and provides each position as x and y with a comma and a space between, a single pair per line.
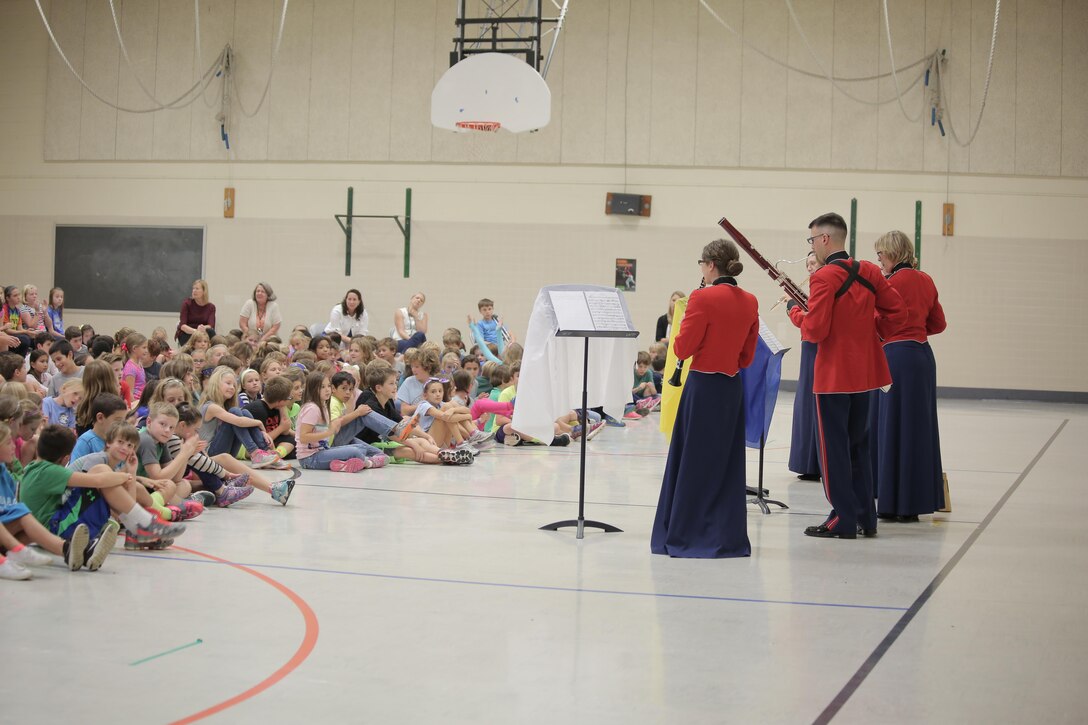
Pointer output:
16, 519
315, 428
416, 445
61, 499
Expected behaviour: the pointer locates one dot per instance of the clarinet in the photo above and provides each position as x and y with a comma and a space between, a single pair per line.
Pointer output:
791, 288
674, 381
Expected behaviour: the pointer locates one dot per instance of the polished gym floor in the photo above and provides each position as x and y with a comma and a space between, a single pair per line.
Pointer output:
425, 594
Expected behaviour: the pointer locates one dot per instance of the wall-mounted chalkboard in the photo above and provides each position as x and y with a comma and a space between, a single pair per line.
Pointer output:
130, 269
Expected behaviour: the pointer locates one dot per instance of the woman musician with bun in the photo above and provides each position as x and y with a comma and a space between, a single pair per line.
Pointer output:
804, 451
701, 512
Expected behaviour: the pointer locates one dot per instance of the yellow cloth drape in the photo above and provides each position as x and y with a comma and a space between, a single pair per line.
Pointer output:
670, 396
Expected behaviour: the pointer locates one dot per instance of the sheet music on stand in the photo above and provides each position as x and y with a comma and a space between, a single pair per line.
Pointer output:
591, 313
768, 337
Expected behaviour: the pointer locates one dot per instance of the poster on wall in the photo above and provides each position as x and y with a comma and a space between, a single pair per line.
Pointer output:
625, 274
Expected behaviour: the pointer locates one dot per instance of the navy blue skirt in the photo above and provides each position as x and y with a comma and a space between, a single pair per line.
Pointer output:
702, 512
909, 472
804, 451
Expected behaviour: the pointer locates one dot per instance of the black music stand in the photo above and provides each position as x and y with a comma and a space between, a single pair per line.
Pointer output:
609, 318
760, 491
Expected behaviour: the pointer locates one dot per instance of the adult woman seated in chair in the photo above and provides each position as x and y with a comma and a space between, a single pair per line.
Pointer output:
260, 314
409, 324
197, 313
350, 317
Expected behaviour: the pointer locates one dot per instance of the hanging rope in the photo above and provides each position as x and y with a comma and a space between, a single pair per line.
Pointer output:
203, 82
895, 77
802, 71
947, 106
271, 67
827, 72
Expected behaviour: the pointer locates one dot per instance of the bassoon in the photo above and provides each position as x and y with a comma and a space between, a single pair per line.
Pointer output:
791, 288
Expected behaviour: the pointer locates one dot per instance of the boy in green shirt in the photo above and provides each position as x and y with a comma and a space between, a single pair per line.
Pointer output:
62, 499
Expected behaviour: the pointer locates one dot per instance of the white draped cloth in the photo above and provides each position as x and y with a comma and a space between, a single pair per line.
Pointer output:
551, 370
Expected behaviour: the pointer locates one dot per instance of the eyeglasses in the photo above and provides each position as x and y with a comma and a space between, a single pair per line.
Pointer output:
811, 239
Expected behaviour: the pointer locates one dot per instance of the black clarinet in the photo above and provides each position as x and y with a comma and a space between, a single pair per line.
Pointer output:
674, 381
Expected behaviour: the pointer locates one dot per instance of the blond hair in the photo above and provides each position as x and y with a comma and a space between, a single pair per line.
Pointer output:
897, 247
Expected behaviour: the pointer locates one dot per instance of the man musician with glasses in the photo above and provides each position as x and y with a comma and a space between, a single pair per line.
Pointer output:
847, 301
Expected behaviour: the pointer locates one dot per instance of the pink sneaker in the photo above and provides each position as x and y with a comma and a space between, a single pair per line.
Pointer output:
378, 461
351, 465
187, 510
263, 459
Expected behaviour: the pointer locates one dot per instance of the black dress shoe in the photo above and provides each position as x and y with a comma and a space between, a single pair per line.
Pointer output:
867, 533
809, 477
822, 532
907, 519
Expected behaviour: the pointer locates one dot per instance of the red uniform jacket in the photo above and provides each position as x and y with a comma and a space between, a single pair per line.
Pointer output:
849, 356
925, 316
719, 330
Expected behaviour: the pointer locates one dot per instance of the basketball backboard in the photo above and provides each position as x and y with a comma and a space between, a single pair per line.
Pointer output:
491, 88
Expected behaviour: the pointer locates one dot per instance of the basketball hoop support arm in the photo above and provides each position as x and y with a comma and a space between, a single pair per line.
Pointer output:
345, 222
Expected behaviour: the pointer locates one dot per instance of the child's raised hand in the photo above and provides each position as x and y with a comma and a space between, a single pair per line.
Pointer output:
131, 464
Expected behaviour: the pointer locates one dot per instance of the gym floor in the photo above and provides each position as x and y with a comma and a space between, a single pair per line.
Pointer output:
422, 594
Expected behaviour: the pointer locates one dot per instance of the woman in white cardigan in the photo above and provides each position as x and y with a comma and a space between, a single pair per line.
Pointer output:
349, 318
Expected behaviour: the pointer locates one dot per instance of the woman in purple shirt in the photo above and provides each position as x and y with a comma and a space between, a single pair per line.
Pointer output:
197, 313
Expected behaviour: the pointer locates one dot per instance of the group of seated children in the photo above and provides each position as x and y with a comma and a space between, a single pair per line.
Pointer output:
100, 433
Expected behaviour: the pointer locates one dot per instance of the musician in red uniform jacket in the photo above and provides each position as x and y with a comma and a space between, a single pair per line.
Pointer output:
909, 478
847, 299
702, 510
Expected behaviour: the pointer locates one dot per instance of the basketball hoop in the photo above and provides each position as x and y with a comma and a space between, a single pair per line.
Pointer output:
492, 126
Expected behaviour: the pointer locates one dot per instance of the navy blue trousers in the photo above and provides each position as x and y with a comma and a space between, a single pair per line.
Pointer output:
843, 429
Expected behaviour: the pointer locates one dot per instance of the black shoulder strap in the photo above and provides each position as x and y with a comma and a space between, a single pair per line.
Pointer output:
853, 274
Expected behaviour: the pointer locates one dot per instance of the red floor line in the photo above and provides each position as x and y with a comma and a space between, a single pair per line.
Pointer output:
309, 639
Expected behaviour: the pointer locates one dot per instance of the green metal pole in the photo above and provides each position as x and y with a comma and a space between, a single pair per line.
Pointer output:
918, 232
347, 235
853, 226
407, 230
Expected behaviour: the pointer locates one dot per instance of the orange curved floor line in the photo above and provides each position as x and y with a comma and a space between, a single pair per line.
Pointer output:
309, 639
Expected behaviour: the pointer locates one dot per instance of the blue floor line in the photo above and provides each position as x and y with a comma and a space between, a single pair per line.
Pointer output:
538, 587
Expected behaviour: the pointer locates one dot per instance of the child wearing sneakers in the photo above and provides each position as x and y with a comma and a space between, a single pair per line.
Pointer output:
272, 411
62, 499
215, 479
16, 519
220, 486
355, 416
226, 426
315, 429
416, 445
154, 460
